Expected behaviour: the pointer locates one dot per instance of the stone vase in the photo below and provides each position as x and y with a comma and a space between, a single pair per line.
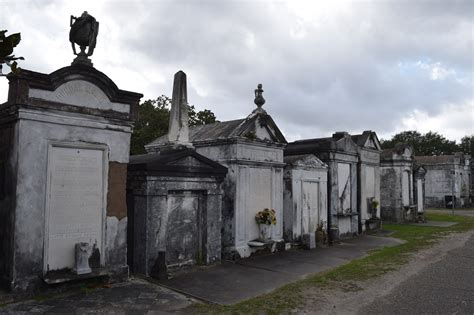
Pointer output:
265, 232
333, 235
321, 239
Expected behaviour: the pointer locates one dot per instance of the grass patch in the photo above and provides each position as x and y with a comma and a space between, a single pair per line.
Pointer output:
290, 296
449, 209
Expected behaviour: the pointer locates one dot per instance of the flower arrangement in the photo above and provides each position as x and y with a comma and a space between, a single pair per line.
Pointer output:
375, 204
321, 226
266, 216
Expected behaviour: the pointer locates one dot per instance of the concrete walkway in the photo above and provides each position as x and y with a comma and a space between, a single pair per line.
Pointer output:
230, 283
226, 283
135, 296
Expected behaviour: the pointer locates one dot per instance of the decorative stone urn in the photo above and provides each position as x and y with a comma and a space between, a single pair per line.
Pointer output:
265, 232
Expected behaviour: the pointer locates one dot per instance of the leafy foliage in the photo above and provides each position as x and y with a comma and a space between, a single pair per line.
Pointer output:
153, 120
7, 43
430, 143
467, 145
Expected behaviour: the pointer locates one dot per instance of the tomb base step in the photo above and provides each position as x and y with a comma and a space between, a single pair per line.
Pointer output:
67, 275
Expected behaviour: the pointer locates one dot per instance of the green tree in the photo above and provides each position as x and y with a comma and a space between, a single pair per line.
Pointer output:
410, 137
467, 145
430, 143
153, 120
200, 118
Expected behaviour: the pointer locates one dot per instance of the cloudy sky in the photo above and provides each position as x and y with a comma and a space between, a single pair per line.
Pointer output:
328, 66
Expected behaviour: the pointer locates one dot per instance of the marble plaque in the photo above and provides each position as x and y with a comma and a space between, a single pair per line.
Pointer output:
370, 181
259, 197
75, 203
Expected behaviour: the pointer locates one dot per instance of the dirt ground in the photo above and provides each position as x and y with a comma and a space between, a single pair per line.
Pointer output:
353, 297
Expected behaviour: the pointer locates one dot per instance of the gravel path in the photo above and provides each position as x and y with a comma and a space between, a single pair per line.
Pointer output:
438, 280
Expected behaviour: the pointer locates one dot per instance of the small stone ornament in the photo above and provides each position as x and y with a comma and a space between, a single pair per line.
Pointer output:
259, 100
81, 263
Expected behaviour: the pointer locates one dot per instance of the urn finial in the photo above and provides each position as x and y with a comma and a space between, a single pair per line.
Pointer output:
84, 30
259, 100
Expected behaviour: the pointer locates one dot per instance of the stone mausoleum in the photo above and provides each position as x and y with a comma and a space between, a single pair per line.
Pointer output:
252, 150
340, 153
447, 177
396, 186
64, 150
174, 199
368, 174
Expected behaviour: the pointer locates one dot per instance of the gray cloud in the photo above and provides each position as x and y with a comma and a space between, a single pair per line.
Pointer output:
363, 66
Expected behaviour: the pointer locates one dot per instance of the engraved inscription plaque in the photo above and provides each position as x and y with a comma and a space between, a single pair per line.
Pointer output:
75, 203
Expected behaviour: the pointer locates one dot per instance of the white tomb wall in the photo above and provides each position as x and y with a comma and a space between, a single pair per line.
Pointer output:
37, 131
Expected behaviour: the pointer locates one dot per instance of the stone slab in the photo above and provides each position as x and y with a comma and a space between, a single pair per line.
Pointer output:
228, 283
133, 297
231, 283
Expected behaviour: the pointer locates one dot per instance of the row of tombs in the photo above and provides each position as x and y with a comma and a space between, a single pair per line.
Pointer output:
74, 204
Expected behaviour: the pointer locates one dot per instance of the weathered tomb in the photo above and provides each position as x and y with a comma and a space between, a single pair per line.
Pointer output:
396, 184
447, 177
252, 150
175, 197
340, 153
305, 197
64, 151
368, 170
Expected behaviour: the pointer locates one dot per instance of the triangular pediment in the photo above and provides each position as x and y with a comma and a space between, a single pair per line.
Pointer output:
306, 161
189, 161
260, 126
346, 144
373, 142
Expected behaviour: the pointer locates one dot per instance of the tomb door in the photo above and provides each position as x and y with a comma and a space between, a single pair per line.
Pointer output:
184, 235
75, 203
310, 206
344, 185
419, 196
369, 191
405, 188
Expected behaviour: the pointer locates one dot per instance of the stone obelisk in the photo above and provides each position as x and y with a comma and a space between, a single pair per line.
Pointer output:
178, 133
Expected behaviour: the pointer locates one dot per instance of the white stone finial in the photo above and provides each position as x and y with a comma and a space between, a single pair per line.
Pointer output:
178, 132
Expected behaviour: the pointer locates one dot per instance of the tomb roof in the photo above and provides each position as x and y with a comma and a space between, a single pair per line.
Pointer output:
259, 126
368, 139
401, 151
442, 159
310, 160
340, 141
181, 163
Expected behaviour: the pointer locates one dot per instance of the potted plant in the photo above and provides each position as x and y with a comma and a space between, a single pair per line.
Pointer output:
321, 234
265, 219
373, 208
